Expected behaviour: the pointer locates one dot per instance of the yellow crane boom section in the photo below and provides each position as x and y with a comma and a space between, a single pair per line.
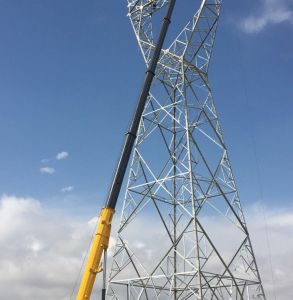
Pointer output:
99, 245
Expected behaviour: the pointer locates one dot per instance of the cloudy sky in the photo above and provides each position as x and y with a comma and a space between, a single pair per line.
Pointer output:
69, 76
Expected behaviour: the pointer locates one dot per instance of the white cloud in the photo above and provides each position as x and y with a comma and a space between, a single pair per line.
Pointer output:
271, 12
67, 189
47, 170
42, 250
59, 156
62, 155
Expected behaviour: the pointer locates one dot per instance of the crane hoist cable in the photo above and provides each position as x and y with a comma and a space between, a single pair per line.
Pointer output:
101, 239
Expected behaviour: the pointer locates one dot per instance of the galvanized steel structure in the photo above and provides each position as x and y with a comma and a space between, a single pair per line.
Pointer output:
181, 184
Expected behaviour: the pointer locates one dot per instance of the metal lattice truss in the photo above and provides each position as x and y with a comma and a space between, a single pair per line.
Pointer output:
182, 233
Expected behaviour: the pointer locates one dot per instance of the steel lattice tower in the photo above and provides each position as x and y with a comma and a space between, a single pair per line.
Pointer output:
181, 181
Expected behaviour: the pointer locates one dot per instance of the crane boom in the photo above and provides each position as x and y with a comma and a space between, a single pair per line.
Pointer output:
101, 239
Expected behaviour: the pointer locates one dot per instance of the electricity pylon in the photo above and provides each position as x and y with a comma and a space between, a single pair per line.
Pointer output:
182, 233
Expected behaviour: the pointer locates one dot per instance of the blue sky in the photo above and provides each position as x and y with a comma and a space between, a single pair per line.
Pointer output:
70, 74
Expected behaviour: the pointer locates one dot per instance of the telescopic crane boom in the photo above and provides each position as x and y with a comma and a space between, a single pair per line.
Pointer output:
101, 239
